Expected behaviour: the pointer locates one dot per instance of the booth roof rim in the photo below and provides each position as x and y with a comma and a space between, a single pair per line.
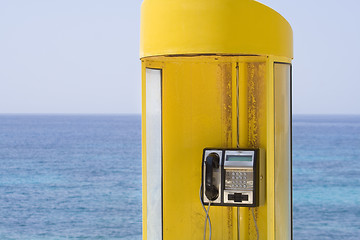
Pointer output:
223, 27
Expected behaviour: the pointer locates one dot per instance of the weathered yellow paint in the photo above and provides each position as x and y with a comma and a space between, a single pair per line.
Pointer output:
255, 75
218, 90
200, 110
194, 117
243, 137
235, 27
270, 188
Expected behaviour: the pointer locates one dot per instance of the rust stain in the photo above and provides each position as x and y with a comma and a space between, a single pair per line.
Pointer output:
252, 229
224, 75
252, 108
256, 118
225, 80
256, 91
230, 223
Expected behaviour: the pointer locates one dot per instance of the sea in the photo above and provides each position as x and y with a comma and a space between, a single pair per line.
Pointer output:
79, 177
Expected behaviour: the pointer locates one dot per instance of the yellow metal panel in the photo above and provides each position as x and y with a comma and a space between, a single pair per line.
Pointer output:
243, 133
194, 117
270, 151
213, 27
200, 110
256, 80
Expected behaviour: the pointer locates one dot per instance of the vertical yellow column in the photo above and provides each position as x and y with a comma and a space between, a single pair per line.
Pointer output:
195, 117
253, 131
235, 109
222, 73
270, 192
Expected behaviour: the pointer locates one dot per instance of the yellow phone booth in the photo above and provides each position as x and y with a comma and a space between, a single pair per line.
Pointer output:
216, 82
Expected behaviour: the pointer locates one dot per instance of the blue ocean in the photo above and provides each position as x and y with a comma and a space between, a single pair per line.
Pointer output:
79, 177
326, 177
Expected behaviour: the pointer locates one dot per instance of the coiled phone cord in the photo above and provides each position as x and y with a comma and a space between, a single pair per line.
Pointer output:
207, 216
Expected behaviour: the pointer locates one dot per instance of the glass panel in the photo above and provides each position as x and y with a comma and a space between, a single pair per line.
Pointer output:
153, 154
282, 78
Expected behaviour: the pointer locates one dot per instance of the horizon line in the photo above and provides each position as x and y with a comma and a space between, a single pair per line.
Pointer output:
294, 114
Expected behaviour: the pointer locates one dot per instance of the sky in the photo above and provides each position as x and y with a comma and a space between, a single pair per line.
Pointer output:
67, 56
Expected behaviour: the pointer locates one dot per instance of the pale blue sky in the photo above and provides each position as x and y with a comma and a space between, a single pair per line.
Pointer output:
81, 56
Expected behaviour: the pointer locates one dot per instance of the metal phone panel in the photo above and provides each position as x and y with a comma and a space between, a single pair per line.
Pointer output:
239, 177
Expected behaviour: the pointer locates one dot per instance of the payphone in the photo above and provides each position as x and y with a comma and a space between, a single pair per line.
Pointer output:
233, 177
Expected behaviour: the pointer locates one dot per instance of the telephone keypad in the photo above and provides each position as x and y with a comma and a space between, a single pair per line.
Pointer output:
239, 179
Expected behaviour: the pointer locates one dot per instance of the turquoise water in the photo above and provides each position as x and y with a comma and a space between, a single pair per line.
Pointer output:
326, 177
70, 177
79, 177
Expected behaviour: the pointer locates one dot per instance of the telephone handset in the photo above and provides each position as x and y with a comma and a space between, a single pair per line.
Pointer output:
212, 161
233, 177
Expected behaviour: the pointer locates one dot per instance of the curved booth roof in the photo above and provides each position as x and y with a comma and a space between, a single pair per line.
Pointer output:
223, 27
